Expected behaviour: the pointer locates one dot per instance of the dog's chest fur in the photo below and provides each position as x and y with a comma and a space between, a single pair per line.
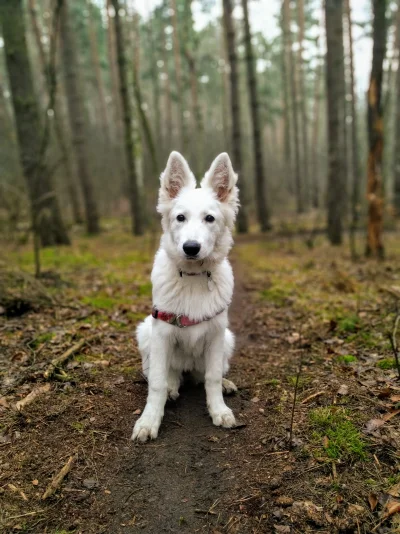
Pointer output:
190, 295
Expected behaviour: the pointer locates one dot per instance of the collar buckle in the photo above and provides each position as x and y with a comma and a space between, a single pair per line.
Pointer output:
176, 321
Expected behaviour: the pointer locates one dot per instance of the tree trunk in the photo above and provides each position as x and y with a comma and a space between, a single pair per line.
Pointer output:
58, 122
94, 52
315, 200
46, 215
397, 131
261, 182
243, 225
76, 112
156, 91
355, 156
178, 77
134, 189
335, 94
287, 141
197, 133
303, 101
375, 134
293, 86
168, 130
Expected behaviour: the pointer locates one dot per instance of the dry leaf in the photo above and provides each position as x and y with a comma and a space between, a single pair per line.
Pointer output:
373, 501
392, 507
293, 338
389, 415
325, 442
343, 390
373, 425
394, 491
395, 398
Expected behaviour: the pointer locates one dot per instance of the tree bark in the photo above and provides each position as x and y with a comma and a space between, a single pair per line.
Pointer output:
76, 113
133, 184
46, 215
178, 77
287, 104
94, 52
235, 109
260, 178
355, 156
315, 192
303, 101
295, 120
58, 122
375, 134
335, 94
396, 169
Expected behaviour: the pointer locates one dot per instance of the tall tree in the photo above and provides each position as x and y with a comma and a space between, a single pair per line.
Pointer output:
303, 99
46, 214
235, 109
76, 113
133, 183
355, 153
178, 77
335, 92
375, 133
397, 131
260, 178
59, 125
287, 36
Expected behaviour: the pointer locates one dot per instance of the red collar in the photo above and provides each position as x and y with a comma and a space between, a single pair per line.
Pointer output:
182, 321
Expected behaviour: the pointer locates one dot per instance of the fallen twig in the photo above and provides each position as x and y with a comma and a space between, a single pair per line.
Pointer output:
393, 342
57, 480
24, 515
65, 356
313, 396
296, 387
32, 396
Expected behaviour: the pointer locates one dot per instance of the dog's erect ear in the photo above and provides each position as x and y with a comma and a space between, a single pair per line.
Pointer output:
177, 175
222, 179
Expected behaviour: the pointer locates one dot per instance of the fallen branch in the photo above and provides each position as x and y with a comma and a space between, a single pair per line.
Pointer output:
32, 396
393, 342
63, 358
313, 396
57, 480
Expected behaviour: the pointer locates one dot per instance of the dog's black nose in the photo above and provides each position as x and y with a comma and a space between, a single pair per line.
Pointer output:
191, 248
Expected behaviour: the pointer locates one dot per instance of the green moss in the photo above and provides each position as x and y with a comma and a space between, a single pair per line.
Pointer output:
277, 295
80, 427
344, 439
145, 289
272, 382
100, 302
346, 359
387, 363
302, 381
40, 339
349, 324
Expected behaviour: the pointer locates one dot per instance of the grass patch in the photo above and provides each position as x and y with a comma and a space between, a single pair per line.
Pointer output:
349, 324
100, 302
346, 359
145, 289
302, 381
277, 295
387, 363
40, 339
333, 426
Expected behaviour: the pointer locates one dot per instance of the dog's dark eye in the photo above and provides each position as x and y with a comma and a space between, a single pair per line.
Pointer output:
180, 218
210, 218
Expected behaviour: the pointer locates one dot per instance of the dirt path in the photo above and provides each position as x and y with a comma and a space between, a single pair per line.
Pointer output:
169, 485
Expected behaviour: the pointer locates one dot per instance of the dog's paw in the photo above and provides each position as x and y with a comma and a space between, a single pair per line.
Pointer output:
145, 428
228, 387
173, 394
224, 418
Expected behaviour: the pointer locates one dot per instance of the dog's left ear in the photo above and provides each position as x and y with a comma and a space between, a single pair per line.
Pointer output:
176, 176
221, 178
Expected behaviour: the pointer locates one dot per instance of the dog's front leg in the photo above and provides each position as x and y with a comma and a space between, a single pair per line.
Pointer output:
214, 358
148, 424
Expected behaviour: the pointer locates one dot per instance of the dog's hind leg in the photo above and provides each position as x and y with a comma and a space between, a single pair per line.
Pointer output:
174, 381
143, 336
228, 386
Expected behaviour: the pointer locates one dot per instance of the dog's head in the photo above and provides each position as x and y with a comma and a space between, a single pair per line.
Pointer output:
197, 222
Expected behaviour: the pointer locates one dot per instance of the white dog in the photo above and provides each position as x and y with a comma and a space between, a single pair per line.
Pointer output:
192, 289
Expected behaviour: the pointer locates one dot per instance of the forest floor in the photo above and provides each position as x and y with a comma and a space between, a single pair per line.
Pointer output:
301, 315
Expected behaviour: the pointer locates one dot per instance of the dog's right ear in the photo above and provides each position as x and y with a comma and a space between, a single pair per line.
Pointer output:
176, 176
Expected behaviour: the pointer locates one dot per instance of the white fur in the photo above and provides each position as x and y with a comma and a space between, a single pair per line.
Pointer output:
204, 349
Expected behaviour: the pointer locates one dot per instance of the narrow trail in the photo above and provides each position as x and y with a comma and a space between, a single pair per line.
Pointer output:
169, 485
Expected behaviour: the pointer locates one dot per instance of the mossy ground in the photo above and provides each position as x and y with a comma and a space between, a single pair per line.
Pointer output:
294, 308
